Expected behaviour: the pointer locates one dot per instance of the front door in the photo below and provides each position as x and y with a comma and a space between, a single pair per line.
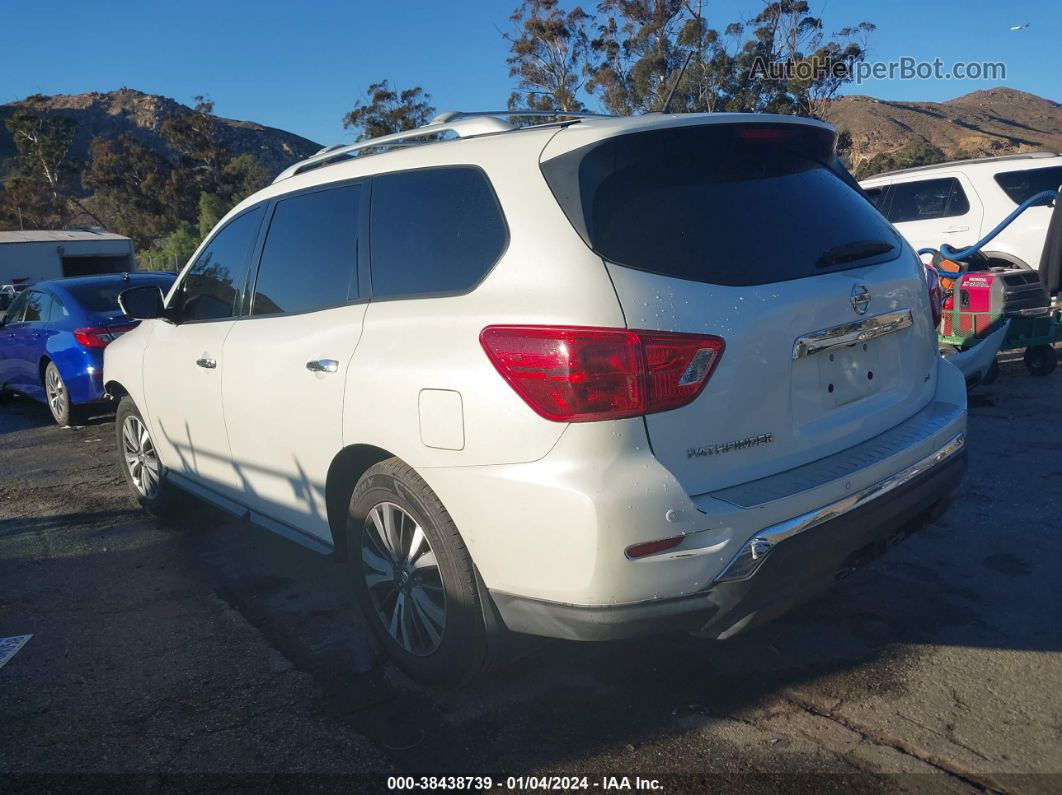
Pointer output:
286, 363
184, 360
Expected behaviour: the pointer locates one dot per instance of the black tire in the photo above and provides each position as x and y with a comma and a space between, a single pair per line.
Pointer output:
160, 501
1040, 359
991, 374
457, 652
58, 397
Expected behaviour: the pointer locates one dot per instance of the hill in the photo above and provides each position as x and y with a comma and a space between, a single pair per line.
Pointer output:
142, 115
886, 134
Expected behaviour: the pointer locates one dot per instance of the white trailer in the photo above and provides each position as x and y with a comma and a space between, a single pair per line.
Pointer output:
30, 256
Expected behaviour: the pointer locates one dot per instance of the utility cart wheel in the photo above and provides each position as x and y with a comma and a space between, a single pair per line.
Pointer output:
1040, 359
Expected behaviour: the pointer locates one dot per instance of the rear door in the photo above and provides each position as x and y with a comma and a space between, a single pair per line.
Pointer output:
9, 366
931, 211
1025, 237
751, 233
286, 362
27, 345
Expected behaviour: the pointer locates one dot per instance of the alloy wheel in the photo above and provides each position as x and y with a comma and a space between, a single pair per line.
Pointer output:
403, 579
140, 456
56, 393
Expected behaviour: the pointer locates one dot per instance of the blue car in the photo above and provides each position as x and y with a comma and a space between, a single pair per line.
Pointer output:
53, 335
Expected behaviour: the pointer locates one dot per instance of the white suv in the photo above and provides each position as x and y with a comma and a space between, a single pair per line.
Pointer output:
585, 379
959, 202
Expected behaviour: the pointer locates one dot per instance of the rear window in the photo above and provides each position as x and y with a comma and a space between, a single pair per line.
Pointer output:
725, 204
1021, 185
103, 296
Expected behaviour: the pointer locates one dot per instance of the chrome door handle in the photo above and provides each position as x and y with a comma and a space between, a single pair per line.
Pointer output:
951, 230
323, 366
209, 364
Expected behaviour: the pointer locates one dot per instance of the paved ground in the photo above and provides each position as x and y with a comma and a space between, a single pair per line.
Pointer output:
189, 656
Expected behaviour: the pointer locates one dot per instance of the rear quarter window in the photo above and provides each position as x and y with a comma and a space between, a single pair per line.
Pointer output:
1021, 185
434, 231
725, 204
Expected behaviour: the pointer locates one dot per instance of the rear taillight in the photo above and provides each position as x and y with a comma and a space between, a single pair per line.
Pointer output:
580, 374
100, 337
936, 296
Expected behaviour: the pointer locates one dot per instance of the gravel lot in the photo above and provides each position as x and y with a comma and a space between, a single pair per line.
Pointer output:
211, 653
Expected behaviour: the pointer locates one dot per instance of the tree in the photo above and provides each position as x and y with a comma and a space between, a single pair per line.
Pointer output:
792, 67
242, 176
918, 152
385, 110
636, 51
196, 138
632, 55
39, 192
131, 184
549, 56
171, 252
43, 142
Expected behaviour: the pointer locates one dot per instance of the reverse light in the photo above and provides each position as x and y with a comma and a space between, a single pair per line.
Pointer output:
100, 337
582, 374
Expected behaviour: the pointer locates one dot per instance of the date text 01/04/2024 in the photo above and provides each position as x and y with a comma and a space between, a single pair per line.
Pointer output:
523, 783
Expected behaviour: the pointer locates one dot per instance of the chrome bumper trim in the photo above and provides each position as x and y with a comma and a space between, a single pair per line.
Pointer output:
851, 333
747, 561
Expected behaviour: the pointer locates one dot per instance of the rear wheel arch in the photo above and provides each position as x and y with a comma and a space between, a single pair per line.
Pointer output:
344, 473
42, 365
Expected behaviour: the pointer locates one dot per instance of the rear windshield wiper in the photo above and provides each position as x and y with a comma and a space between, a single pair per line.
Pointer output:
856, 250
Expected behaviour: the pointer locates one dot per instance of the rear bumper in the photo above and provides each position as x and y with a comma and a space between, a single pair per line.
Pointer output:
808, 554
82, 371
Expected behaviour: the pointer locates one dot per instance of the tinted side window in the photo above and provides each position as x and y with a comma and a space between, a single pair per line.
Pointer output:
310, 258
877, 196
1020, 185
434, 231
36, 305
18, 306
927, 199
210, 288
56, 311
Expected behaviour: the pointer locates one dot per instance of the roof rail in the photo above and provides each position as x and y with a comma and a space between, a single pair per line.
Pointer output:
453, 115
945, 164
463, 124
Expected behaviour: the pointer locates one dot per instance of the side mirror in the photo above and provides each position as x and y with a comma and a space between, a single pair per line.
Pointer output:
142, 303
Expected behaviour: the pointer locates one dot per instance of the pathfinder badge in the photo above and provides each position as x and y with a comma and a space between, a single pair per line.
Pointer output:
726, 447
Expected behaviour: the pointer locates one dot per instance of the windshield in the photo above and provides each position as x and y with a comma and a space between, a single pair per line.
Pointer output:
726, 204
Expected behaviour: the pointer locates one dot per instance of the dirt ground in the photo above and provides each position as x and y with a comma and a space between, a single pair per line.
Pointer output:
212, 654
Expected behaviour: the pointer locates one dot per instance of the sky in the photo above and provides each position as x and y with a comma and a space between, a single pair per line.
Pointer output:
301, 66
